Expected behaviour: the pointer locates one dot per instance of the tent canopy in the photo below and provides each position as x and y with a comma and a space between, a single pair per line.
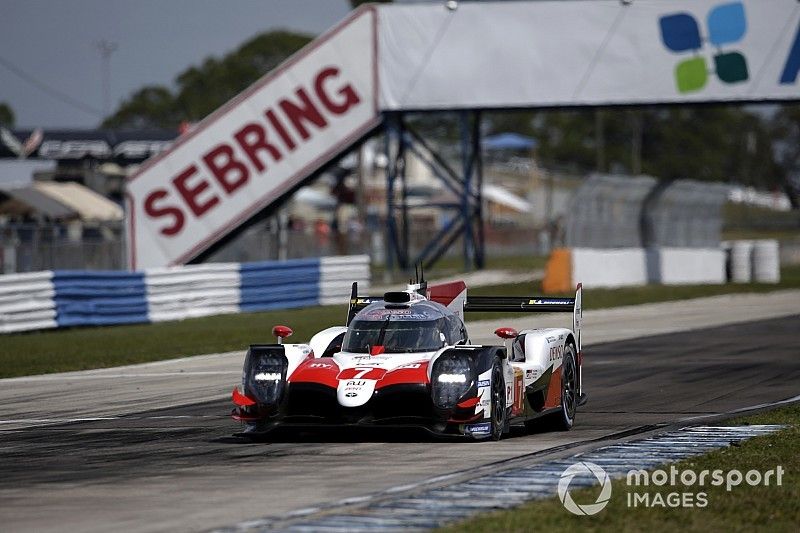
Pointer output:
88, 204
27, 201
509, 141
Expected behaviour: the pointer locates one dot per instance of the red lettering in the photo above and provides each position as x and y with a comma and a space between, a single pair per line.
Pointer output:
155, 212
297, 114
190, 194
252, 139
284, 135
342, 105
222, 163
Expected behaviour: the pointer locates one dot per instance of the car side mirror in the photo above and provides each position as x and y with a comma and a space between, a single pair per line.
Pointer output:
282, 332
506, 333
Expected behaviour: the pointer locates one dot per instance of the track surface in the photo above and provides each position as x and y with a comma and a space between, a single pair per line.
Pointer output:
178, 469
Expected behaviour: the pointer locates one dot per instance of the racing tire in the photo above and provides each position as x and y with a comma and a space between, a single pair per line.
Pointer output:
565, 418
499, 411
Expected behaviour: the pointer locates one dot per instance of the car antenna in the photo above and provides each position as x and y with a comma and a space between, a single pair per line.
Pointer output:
422, 285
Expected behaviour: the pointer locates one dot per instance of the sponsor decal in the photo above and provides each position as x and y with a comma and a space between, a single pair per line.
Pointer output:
556, 353
320, 365
22, 149
517, 406
399, 314
351, 394
792, 67
682, 33
97, 145
529, 374
359, 373
410, 365
483, 383
548, 302
479, 429
355, 385
551, 339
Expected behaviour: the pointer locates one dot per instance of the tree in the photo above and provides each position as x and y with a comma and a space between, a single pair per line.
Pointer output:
150, 107
786, 148
204, 88
6, 115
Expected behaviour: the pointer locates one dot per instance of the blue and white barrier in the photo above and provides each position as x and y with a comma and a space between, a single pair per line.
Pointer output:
63, 298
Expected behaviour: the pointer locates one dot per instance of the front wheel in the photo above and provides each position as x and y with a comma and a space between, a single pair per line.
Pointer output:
499, 416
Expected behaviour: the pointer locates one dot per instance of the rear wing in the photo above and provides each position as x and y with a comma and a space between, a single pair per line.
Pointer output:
454, 295
531, 304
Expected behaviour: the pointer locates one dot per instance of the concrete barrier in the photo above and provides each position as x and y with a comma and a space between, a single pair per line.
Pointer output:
631, 267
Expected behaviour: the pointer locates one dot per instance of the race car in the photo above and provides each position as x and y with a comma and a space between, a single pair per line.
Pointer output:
405, 359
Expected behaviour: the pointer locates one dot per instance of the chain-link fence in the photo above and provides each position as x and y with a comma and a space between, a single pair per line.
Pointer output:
623, 211
33, 247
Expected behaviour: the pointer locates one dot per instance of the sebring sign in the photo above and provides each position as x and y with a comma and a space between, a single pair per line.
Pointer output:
256, 148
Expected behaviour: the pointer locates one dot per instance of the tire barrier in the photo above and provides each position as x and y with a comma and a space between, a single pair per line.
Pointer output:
64, 298
756, 261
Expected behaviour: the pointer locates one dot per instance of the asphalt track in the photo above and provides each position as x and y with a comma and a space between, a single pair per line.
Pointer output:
179, 469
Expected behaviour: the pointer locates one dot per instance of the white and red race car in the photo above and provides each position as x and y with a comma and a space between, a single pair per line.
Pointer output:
405, 360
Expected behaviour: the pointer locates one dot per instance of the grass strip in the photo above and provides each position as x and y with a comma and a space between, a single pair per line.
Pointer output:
744, 508
50, 351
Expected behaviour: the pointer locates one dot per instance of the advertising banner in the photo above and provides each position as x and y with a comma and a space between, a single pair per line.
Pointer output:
595, 52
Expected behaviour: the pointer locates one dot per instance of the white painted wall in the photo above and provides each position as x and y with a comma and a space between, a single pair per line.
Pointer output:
630, 267
615, 267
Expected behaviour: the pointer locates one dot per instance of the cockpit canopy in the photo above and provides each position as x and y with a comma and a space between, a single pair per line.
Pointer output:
420, 327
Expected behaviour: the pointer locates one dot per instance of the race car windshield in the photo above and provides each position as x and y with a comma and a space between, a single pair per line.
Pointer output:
396, 336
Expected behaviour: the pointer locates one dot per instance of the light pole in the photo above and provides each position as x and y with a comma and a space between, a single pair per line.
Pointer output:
106, 48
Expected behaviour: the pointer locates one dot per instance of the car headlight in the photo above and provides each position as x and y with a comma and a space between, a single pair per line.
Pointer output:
265, 373
452, 377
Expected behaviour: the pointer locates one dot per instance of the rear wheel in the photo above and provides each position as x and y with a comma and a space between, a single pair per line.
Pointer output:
498, 402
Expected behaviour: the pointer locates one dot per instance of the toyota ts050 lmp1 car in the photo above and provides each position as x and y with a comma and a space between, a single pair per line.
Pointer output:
405, 360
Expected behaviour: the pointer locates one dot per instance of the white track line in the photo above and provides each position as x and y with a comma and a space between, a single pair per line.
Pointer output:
62, 377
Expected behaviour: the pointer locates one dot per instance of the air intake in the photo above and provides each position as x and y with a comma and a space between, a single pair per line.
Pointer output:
396, 299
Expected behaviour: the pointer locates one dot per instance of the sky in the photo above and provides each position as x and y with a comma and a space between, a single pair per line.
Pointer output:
51, 71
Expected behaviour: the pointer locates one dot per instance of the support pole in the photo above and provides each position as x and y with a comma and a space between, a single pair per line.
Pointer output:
480, 259
466, 183
390, 139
